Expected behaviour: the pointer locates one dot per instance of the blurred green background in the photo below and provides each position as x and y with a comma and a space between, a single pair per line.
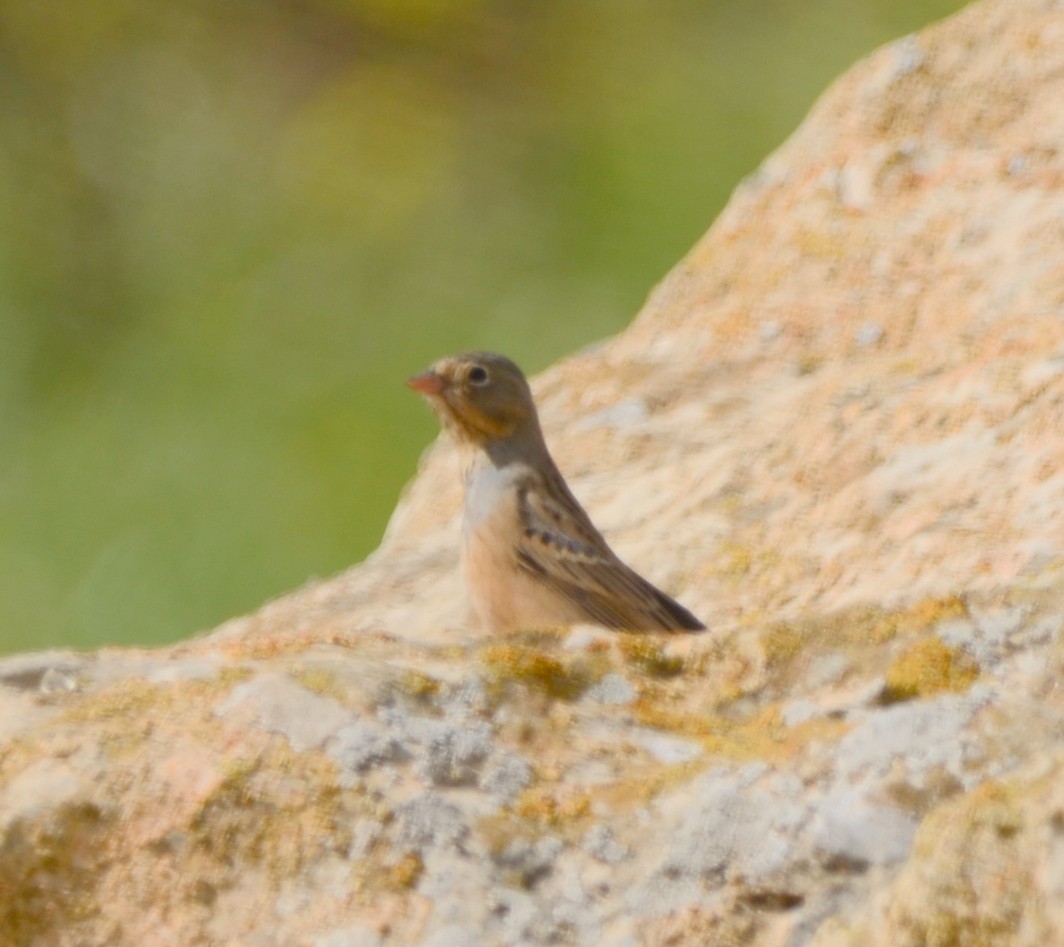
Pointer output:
230, 230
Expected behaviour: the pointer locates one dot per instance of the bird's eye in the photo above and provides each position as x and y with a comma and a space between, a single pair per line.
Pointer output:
478, 375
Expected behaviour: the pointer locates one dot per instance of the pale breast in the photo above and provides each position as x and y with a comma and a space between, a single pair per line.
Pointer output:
504, 597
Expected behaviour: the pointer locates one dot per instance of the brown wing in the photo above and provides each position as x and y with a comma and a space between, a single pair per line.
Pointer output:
560, 546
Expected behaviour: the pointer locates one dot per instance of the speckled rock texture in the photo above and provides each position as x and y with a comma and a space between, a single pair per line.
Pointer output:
836, 432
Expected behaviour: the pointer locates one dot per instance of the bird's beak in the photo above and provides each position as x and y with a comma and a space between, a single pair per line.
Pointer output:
427, 383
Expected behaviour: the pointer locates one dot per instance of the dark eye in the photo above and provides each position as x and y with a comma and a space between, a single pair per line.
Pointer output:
478, 375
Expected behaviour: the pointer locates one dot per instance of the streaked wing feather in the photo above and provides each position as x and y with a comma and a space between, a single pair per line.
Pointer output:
561, 547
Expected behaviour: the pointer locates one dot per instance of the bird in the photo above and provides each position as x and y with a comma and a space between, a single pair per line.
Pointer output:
531, 557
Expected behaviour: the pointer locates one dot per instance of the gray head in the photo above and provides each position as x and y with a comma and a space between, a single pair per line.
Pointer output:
480, 397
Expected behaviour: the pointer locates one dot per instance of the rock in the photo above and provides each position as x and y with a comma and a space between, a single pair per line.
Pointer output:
428, 820
357, 935
361, 745
505, 775
612, 689
914, 738
850, 830
987, 867
665, 748
835, 433
280, 705
600, 843
26, 671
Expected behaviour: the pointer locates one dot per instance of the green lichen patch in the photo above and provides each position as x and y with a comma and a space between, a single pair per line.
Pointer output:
928, 667
406, 872
783, 642
735, 560
126, 700
642, 785
858, 633
650, 656
417, 686
545, 809
49, 873
216, 808
126, 714
324, 682
760, 736
553, 807
563, 677
274, 809
974, 886
278, 811
721, 671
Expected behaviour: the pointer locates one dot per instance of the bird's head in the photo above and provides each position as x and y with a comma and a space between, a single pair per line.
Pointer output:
480, 397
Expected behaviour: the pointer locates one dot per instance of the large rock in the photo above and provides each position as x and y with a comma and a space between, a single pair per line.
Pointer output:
837, 433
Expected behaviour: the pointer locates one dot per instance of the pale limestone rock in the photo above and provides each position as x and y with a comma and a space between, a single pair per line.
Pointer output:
836, 431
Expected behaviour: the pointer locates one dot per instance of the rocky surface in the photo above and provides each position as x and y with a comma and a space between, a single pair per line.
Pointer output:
837, 433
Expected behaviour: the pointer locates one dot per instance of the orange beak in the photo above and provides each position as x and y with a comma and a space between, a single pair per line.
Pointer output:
427, 383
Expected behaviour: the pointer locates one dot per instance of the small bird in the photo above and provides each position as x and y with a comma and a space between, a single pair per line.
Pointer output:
531, 556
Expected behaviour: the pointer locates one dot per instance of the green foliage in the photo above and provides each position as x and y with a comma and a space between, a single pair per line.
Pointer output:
230, 231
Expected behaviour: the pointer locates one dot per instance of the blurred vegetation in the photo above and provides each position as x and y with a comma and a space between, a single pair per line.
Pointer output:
230, 230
